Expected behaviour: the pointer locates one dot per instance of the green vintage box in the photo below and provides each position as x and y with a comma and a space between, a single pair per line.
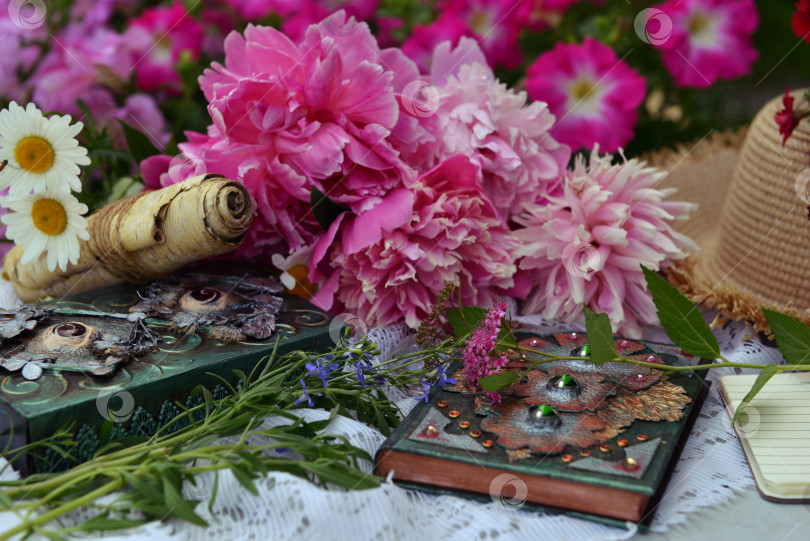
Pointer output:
142, 393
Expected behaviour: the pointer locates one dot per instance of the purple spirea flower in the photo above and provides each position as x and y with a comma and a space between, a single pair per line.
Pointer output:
481, 358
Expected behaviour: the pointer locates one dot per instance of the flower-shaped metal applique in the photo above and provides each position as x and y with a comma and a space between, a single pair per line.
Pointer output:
25, 318
541, 429
75, 343
565, 390
231, 308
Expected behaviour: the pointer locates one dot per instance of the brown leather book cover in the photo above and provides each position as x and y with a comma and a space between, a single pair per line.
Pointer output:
571, 436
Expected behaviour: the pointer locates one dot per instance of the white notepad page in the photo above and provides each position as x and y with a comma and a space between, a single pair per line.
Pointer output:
774, 430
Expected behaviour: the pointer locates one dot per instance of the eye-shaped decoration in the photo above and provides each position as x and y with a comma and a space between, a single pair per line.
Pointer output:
230, 308
544, 416
70, 335
564, 387
204, 299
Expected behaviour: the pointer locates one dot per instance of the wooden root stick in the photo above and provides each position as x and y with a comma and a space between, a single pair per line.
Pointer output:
148, 236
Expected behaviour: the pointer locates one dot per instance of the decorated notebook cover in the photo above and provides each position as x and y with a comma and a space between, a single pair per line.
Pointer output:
131, 353
774, 430
615, 426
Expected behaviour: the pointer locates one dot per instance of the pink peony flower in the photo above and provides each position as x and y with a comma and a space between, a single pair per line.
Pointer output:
287, 118
593, 94
586, 246
309, 12
448, 232
158, 39
710, 40
494, 24
491, 124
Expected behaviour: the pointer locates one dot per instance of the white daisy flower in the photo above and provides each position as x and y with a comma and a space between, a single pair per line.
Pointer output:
40, 153
49, 222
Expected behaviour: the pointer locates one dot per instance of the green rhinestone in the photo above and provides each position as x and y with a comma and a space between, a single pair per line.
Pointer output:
544, 410
585, 351
566, 381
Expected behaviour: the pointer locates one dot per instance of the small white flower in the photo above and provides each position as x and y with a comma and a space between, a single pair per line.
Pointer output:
47, 222
295, 272
40, 153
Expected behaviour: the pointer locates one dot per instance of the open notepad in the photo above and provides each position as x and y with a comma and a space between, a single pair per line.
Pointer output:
774, 430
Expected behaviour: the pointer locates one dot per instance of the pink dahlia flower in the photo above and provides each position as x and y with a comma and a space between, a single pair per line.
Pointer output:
289, 117
451, 233
593, 94
586, 246
491, 124
158, 39
710, 40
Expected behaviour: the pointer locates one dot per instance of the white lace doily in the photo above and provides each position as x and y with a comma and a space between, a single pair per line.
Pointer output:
712, 466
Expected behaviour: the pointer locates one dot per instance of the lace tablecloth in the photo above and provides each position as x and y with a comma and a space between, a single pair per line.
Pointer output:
711, 468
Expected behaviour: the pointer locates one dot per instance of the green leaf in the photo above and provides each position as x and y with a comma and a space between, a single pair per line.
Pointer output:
766, 374
792, 337
5, 500
464, 320
244, 477
180, 507
146, 489
325, 210
600, 337
681, 319
102, 522
140, 146
496, 382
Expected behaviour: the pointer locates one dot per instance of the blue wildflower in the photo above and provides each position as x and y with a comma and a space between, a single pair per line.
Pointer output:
360, 376
305, 396
323, 370
443, 379
425, 391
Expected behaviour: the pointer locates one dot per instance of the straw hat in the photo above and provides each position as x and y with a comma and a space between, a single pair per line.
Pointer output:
752, 220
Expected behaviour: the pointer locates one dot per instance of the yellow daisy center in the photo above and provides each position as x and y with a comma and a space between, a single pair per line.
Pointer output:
581, 89
49, 216
34, 154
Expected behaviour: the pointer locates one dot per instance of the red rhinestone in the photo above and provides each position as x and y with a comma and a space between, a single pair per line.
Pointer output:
566, 458
584, 453
464, 424
442, 403
453, 414
622, 443
642, 437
